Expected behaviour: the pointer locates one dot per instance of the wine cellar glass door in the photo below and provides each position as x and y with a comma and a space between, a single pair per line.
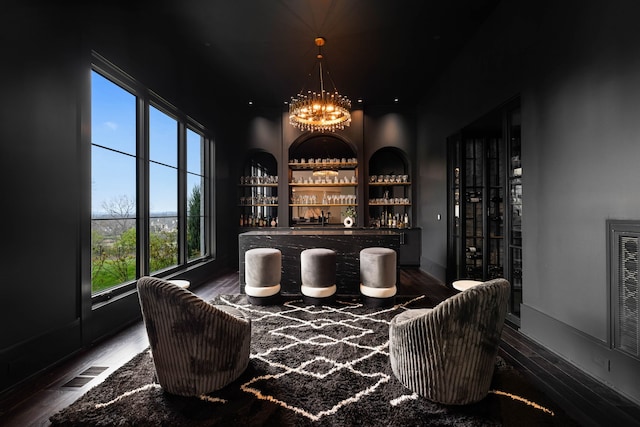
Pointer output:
454, 246
485, 202
495, 191
477, 178
473, 224
515, 213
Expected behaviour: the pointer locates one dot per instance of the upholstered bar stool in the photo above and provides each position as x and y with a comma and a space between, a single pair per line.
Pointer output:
262, 273
318, 276
378, 276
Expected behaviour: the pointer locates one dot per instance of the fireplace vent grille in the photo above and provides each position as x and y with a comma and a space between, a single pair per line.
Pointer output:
624, 286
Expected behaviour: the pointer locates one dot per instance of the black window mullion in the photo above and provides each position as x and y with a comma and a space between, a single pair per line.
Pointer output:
182, 193
143, 188
209, 196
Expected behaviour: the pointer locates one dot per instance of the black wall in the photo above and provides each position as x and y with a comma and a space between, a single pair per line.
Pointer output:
45, 311
575, 66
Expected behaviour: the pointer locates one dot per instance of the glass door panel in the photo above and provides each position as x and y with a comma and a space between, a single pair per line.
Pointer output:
515, 214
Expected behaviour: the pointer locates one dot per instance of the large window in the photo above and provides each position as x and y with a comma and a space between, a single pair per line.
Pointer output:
195, 185
163, 190
113, 184
148, 163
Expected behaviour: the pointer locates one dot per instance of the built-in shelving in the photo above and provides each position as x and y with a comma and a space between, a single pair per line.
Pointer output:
258, 199
319, 190
389, 189
324, 164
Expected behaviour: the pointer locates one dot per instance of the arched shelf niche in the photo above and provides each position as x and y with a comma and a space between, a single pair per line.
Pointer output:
321, 146
260, 160
258, 190
390, 195
323, 180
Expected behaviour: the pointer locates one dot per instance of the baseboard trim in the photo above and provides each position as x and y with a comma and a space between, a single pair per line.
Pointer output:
588, 354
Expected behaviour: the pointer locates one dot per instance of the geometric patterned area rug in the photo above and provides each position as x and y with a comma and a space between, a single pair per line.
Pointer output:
309, 366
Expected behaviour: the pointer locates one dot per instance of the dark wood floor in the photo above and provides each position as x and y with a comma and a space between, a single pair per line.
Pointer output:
588, 401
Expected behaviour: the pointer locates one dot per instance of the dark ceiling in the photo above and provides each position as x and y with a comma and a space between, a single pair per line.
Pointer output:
376, 50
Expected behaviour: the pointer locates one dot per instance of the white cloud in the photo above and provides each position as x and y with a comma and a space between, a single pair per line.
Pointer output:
111, 125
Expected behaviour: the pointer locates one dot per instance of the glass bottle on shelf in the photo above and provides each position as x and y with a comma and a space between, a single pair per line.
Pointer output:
317, 198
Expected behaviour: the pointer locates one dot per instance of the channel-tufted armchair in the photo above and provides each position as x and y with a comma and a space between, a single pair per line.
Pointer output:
197, 347
448, 353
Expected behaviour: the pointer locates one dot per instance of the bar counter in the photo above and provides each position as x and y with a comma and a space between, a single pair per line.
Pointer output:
347, 242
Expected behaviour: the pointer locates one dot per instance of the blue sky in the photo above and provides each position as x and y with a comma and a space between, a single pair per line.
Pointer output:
113, 125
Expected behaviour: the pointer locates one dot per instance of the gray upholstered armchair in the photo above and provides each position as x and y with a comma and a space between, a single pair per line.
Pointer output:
448, 353
197, 347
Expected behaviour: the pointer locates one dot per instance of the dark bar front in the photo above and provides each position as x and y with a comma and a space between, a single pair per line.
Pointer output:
346, 242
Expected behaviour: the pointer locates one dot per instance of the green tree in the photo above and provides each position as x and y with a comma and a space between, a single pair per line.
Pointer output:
113, 244
98, 255
193, 222
121, 210
124, 256
163, 250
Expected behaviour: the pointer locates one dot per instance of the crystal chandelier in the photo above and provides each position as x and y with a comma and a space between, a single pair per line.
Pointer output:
320, 111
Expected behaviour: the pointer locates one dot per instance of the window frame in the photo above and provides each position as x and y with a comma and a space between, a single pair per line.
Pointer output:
146, 98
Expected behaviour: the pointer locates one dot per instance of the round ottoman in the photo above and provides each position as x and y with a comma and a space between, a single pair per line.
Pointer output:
318, 275
179, 282
464, 284
378, 273
262, 274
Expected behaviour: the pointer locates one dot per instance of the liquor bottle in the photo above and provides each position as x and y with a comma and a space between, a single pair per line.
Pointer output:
406, 220
473, 196
473, 253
